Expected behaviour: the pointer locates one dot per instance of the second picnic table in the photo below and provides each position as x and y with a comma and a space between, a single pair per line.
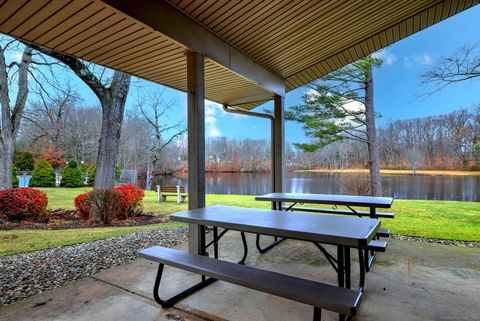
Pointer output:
349, 201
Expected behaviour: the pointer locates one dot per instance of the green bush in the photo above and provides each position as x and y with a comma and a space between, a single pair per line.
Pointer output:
92, 170
84, 170
24, 161
71, 175
43, 175
475, 167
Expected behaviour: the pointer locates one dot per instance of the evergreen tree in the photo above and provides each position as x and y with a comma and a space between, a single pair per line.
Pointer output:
340, 106
71, 175
24, 161
43, 175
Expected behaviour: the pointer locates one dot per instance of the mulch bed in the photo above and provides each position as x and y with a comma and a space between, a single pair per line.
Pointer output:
67, 219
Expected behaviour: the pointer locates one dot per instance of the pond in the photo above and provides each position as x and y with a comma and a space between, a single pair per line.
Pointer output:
459, 188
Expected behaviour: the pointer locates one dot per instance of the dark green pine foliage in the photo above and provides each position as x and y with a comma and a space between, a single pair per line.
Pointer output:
333, 108
71, 175
43, 175
24, 161
91, 172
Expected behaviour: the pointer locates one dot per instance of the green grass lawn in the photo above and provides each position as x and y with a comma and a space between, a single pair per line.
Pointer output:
437, 219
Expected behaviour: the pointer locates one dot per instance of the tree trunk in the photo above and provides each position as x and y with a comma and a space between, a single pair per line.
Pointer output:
373, 158
10, 117
6, 160
113, 106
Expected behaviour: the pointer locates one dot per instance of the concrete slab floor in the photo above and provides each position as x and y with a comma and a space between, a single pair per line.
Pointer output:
411, 281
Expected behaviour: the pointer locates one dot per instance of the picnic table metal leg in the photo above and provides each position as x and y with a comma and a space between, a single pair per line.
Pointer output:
317, 314
269, 246
276, 240
340, 266
361, 282
347, 266
245, 248
215, 244
174, 299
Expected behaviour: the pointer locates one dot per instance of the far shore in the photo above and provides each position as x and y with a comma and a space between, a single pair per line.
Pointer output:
397, 172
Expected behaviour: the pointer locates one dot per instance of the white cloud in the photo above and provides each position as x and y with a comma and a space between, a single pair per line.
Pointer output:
386, 56
212, 111
422, 59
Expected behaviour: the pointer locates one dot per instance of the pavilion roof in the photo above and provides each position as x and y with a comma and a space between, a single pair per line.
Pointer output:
252, 47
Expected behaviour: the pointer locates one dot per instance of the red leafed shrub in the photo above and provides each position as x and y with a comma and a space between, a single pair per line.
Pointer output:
132, 198
25, 203
82, 205
117, 203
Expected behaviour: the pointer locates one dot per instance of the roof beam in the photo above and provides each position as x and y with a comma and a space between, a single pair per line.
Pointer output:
171, 22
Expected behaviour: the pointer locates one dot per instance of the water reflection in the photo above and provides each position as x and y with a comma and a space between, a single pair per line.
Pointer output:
461, 188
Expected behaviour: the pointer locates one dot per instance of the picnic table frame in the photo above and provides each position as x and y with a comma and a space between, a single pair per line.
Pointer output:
350, 201
343, 232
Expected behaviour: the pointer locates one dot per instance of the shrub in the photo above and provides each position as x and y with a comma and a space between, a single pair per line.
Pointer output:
475, 167
92, 170
84, 170
104, 204
82, 205
24, 203
354, 184
71, 175
132, 198
43, 175
117, 203
53, 155
24, 161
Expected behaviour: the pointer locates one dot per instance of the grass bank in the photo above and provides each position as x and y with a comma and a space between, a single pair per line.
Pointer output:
397, 172
437, 219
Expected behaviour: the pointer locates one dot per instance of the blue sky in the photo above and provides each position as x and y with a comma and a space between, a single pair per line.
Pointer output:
397, 84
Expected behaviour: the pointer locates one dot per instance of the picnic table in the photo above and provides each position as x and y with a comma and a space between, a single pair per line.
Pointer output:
344, 232
349, 201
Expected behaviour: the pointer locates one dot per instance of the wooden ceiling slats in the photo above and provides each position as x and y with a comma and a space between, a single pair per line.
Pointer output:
301, 33
111, 23
9, 9
51, 21
254, 26
299, 40
249, 20
165, 51
383, 41
24, 13
126, 47
38, 17
76, 27
335, 40
103, 40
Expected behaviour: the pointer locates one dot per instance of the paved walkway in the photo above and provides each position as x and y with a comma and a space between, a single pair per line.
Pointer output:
412, 281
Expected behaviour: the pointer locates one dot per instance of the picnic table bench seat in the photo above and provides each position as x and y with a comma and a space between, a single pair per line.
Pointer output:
319, 295
377, 246
336, 211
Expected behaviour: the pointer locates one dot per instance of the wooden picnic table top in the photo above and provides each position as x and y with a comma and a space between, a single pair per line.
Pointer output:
350, 200
338, 230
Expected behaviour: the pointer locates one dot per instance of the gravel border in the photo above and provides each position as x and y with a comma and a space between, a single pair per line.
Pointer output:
24, 275
436, 241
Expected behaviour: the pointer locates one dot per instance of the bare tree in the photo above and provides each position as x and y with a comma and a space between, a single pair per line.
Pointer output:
155, 110
11, 114
47, 116
112, 93
461, 65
